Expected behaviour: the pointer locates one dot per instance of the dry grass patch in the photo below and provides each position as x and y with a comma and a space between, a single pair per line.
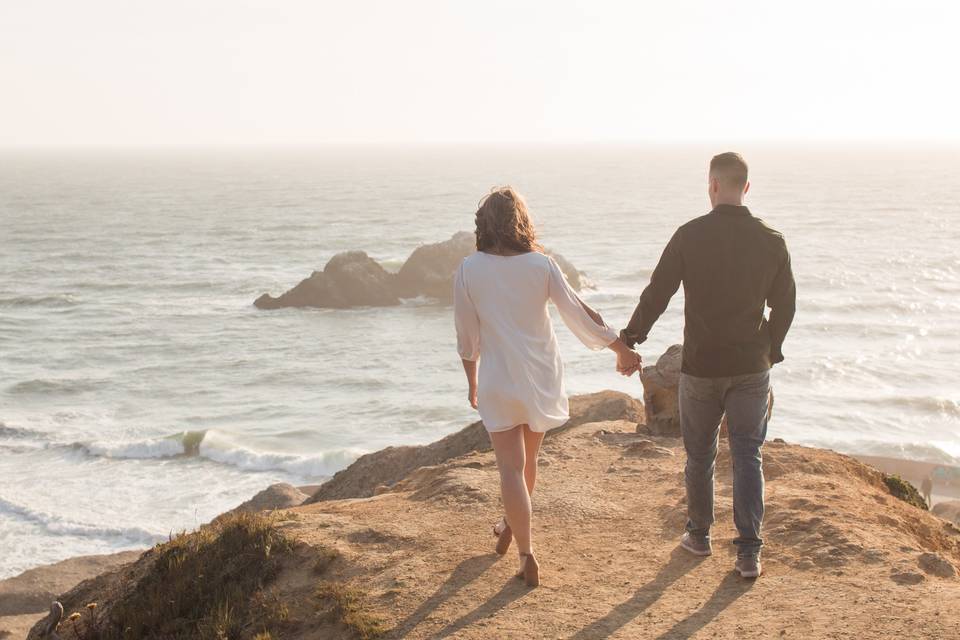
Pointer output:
347, 607
206, 584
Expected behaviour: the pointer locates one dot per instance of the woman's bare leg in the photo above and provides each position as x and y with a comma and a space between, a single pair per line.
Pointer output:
509, 449
531, 446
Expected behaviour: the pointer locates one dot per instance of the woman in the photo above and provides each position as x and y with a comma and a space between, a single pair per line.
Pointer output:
500, 308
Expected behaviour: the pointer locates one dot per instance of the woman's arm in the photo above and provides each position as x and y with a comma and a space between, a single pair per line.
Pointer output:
587, 324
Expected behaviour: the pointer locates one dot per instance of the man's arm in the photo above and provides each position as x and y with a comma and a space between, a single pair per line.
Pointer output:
782, 301
664, 283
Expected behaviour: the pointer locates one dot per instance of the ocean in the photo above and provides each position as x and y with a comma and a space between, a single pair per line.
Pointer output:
141, 393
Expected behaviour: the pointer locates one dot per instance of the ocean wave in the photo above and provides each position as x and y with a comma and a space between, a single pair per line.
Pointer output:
919, 451
63, 386
928, 404
60, 526
219, 447
19, 433
55, 301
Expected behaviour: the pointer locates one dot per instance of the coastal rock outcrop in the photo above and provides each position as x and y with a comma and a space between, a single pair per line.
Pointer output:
354, 279
383, 468
276, 496
350, 279
661, 401
948, 510
846, 558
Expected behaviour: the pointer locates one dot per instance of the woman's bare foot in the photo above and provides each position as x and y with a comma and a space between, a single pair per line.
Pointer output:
529, 569
504, 536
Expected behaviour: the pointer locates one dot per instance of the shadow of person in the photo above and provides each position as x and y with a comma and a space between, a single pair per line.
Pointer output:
464, 573
680, 563
729, 589
513, 590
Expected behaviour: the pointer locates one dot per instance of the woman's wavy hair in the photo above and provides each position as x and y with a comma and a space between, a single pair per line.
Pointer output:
504, 224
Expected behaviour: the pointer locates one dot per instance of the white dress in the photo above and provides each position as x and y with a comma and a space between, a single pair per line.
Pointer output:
500, 309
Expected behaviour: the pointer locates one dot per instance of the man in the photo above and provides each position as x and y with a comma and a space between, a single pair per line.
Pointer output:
732, 266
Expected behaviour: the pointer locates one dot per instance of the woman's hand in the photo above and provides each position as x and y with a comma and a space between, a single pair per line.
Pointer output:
470, 369
628, 360
472, 396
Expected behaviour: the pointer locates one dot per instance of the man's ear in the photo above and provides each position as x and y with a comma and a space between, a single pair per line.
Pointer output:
746, 188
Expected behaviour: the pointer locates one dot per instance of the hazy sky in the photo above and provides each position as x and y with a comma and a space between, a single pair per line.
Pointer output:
133, 72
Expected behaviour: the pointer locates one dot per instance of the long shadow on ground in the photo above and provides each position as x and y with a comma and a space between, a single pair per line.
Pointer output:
729, 589
464, 573
680, 563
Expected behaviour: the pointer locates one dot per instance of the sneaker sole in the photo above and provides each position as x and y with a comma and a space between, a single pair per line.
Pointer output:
696, 552
749, 574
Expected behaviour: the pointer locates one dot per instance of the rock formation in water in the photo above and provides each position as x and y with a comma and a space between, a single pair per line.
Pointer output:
350, 279
354, 279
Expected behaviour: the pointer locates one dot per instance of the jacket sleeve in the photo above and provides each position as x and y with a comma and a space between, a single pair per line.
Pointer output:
466, 319
594, 334
664, 283
782, 300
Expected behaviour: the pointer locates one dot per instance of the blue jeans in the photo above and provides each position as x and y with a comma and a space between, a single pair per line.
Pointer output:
703, 402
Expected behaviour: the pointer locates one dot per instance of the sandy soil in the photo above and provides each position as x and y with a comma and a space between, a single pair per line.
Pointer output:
844, 559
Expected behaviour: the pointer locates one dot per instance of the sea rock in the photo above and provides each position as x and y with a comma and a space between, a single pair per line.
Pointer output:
948, 510
353, 279
388, 466
350, 279
429, 269
661, 401
276, 496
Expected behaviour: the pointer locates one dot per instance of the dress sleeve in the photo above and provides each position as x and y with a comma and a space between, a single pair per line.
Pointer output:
595, 334
466, 319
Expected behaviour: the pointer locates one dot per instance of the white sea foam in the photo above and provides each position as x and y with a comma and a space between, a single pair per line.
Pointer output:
61, 526
220, 447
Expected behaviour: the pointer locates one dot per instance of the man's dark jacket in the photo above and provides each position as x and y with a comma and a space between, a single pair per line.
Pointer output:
732, 266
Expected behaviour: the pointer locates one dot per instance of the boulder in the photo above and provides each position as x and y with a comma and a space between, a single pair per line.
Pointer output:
661, 401
948, 510
350, 279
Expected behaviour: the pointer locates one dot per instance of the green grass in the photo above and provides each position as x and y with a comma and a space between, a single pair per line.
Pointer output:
347, 608
902, 489
200, 584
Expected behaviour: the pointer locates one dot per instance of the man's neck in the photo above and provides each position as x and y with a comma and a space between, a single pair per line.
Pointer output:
730, 201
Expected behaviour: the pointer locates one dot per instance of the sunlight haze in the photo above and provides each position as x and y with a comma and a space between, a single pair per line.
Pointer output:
115, 72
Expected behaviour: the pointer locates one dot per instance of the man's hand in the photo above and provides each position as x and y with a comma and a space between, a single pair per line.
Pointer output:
628, 362
472, 396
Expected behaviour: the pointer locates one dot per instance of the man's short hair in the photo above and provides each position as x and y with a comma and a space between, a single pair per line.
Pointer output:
730, 169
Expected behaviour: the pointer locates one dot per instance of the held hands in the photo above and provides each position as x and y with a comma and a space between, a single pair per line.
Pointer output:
629, 362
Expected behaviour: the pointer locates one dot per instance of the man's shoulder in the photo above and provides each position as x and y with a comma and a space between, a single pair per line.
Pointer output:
765, 228
695, 225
